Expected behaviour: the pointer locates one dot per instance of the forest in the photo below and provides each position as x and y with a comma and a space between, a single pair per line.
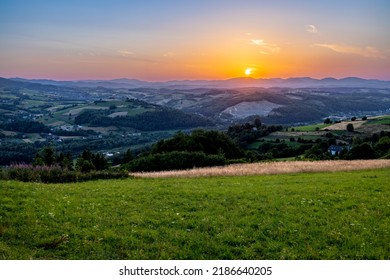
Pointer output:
162, 119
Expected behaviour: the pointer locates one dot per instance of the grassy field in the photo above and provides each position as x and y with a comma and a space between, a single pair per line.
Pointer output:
385, 120
313, 127
335, 215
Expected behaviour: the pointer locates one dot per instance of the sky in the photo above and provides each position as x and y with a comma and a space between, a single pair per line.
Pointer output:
192, 40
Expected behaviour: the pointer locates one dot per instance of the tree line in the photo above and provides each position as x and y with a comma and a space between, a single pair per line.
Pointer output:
198, 149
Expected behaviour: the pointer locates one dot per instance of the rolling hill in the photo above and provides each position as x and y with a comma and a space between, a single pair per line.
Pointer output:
276, 101
302, 82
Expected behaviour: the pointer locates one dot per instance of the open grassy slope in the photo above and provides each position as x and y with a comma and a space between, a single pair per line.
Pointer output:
340, 215
272, 167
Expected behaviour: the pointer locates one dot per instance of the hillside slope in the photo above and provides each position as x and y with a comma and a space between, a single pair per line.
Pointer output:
330, 215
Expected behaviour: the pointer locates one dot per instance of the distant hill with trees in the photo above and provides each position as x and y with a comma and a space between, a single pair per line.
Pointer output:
161, 119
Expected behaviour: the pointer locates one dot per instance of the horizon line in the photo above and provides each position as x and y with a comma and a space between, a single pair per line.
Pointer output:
196, 80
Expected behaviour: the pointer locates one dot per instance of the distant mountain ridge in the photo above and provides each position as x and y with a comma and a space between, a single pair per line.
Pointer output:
242, 82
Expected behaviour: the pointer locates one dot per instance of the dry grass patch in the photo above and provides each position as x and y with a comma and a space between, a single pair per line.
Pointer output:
343, 125
266, 168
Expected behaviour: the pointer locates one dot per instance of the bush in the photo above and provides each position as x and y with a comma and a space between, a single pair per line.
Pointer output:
175, 160
383, 144
22, 173
237, 161
208, 142
363, 151
55, 174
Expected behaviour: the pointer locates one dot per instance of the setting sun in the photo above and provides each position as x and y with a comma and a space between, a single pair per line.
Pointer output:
248, 71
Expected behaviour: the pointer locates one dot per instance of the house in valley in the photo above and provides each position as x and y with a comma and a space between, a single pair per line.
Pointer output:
335, 150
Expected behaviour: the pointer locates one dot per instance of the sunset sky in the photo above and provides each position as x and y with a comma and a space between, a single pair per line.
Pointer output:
176, 40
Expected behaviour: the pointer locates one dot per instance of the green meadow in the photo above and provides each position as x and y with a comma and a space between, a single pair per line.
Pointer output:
309, 128
384, 120
339, 215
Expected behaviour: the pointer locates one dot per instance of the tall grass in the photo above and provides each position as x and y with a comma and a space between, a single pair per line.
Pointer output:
267, 168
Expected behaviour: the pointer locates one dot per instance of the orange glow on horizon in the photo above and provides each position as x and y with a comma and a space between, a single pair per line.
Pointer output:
221, 58
167, 41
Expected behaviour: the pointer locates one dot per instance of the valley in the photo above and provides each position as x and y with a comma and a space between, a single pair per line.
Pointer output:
112, 119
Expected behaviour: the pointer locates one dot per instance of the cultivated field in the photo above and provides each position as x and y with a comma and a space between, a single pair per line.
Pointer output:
267, 168
343, 125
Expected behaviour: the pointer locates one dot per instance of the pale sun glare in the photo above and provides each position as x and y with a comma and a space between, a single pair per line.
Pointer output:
248, 71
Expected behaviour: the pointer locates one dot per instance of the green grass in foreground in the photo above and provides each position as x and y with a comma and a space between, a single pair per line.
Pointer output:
343, 215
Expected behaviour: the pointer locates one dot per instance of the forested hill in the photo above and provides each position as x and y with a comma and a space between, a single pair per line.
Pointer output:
160, 119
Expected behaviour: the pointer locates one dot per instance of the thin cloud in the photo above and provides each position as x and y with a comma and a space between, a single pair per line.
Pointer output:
257, 42
125, 53
265, 48
311, 28
367, 51
131, 56
169, 54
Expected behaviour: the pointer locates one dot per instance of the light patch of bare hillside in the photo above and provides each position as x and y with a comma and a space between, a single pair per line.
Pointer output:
267, 168
246, 109
117, 114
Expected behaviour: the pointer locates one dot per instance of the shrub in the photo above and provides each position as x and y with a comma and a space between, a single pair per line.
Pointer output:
23, 173
175, 160
55, 174
235, 161
363, 151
